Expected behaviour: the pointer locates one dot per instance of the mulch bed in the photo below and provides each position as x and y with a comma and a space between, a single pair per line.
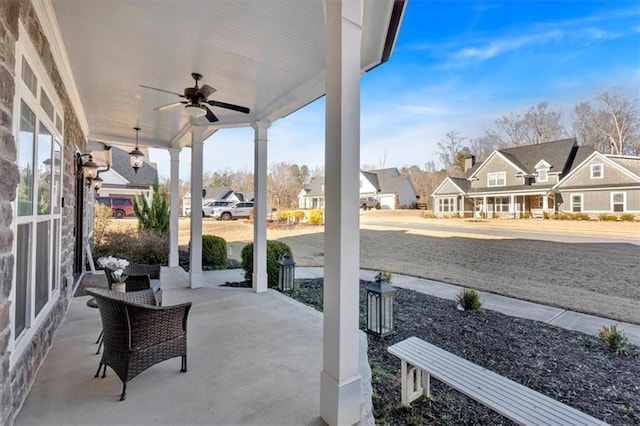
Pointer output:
569, 366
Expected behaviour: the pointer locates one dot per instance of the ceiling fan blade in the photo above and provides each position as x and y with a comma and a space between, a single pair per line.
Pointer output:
161, 90
171, 105
210, 115
229, 106
207, 90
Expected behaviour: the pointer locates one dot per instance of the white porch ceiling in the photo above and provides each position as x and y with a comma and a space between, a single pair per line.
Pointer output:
268, 55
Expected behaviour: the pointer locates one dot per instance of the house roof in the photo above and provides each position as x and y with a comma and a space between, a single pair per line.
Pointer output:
218, 193
556, 153
386, 181
582, 153
121, 163
315, 187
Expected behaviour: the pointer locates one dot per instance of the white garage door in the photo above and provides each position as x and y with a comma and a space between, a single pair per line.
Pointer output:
387, 202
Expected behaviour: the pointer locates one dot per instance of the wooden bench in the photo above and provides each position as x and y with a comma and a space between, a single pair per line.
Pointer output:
537, 214
420, 360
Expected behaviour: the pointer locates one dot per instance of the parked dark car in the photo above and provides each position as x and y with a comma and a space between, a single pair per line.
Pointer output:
120, 207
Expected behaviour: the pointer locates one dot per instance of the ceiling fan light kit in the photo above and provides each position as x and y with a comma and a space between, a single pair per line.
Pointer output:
197, 103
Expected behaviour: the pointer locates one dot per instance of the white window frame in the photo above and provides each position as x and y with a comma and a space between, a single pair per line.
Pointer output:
593, 167
499, 206
624, 202
447, 207
18, 343
543, 172
581, 202
496, 177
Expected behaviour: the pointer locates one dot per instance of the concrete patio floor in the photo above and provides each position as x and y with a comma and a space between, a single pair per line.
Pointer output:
252, 359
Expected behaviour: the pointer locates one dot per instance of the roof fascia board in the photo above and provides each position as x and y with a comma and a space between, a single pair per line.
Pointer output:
49, 24
493, 154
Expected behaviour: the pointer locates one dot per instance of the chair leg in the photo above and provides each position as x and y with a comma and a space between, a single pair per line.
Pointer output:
99, 337
98, 372
100, 345
124, 391
104, 371
184, 364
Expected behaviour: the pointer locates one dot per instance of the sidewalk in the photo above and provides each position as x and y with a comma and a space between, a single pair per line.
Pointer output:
588, 324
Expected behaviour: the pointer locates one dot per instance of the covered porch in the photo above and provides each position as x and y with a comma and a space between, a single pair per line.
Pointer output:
515, 205
253, 359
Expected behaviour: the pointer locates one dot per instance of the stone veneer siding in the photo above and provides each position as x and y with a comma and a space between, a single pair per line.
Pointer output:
16, 382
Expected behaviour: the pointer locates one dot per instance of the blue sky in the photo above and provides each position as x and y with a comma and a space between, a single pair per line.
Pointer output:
459, 65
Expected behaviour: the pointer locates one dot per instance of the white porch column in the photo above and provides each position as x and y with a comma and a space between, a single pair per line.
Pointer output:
259, 278
195, 262
461, 210
512, 206
340, 377
545, 202
485, 207
173, 224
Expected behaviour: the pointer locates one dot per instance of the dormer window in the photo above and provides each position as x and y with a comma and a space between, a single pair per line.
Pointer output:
596, 171
497, 179
543, 175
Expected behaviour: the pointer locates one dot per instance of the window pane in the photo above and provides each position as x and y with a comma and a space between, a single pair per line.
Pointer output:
42, 265
23, 237
25, 160
618, 198
58, 123
29, 77
46, 104
56, 200
44, 162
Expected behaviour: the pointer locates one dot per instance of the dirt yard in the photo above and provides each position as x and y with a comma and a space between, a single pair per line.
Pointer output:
602, 279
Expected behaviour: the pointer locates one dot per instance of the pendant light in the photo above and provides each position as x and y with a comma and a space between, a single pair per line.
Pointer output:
136, 156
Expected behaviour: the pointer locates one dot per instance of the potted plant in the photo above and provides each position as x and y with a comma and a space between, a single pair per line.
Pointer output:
115, 268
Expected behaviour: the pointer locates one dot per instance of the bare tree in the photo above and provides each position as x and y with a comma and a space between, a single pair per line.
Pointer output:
425, 181
450, 150
585, 128
285, 181
621, 124
383, 159
537, 125
481, 147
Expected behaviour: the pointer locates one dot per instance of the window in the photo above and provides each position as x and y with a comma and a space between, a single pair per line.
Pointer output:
502, 204
37, 225
618, 201
576, 202
497, 179
596, 171
446, 205
543, 175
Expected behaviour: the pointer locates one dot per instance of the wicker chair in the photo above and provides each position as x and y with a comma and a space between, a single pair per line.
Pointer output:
138, 334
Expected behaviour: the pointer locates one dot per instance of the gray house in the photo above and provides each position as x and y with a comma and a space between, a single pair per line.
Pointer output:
121, 181
601, 184
558, 176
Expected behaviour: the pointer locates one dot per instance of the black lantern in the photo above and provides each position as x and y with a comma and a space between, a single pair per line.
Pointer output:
88, 168
136, 156
380, 307
286, 273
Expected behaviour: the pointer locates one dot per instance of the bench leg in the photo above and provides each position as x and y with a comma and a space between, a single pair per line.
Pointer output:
415, 383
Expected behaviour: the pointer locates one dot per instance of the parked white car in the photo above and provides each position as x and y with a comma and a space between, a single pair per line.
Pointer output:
207, 208
237, 210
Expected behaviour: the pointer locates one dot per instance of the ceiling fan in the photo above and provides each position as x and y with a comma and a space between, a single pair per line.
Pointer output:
196, 103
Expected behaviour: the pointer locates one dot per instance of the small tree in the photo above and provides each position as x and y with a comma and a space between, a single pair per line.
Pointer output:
154, 217
101, 221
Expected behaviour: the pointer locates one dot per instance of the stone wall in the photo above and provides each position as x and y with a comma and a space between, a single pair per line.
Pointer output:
16, 382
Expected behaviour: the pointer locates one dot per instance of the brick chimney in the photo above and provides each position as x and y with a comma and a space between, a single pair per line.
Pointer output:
469, 162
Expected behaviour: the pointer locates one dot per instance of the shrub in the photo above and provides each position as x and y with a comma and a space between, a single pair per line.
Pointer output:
428, 215
214, 252
316, 217
545, 215
291, 216
387, 275
154, 217
144, 246
578, 216
101, 221
560, 216
469, 299
627, 217
608, 217
612, 339
275, 251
